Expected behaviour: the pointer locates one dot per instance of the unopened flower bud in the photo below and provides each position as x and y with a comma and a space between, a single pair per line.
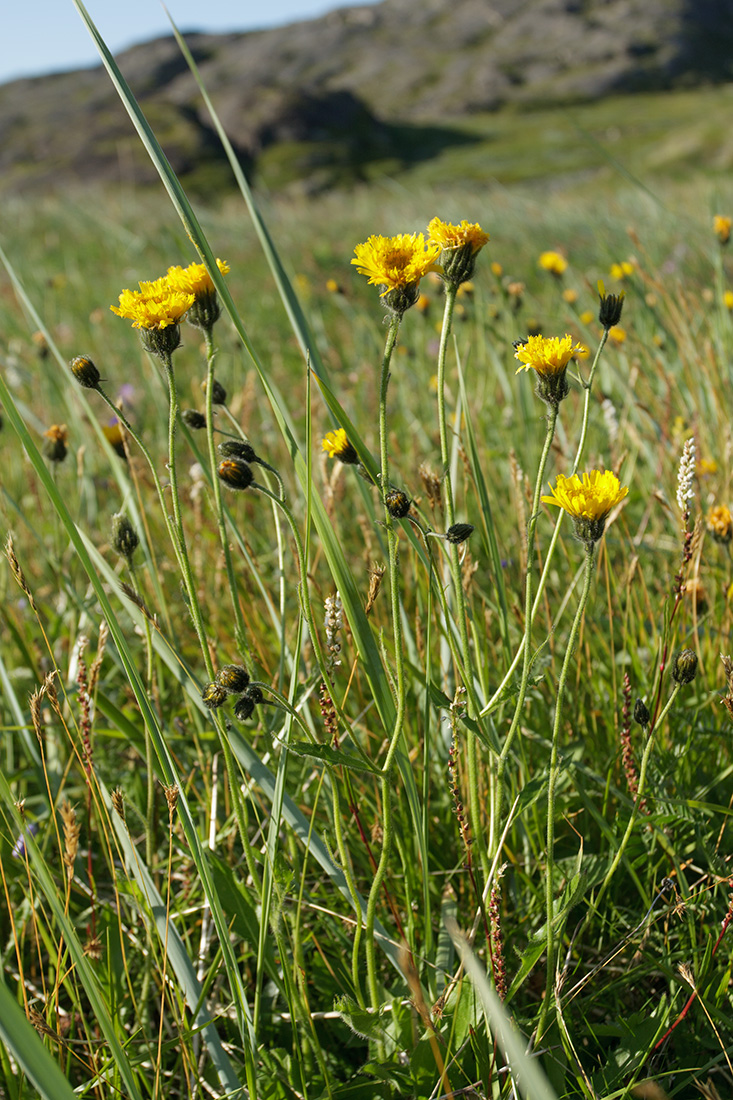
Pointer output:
236, 448
254, 694
218, 393
193, 419
244, 709
85, 372
641, 713
459, 532
124, 537
235, 473
54, 443
684, 669
398, 503
213, 695
233, 678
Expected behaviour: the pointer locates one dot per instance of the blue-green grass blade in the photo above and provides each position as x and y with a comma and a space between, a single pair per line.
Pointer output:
27, 1048
129, 664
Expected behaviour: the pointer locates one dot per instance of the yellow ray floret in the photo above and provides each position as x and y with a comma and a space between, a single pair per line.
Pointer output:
546, 354
554, 262
396, 262
456, 236
194, 279
587, 496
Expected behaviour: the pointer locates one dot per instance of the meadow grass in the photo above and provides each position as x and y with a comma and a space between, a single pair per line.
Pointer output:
432, 860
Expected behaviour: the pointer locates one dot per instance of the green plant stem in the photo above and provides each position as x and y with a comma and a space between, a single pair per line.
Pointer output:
461, 611
495, 699
526, 645
239, 629
394, 582
348, 875
552, 778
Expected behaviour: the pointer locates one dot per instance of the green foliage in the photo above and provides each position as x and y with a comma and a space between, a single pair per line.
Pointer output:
214, 927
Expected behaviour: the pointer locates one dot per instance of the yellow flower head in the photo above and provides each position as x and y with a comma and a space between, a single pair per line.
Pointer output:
397, 264
458, 236
622, 270
336, 445
719, 523
194, 279
548, 355
721, 227
570, 295
728, 299
156, 305
588, 498
554, 262
617, 334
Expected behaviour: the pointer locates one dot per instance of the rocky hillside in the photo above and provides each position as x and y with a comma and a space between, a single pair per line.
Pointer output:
389, 82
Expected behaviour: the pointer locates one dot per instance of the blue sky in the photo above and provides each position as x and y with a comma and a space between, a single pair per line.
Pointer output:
41, 36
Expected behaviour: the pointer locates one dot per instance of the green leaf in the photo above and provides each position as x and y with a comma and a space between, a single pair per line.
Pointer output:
336, 757
26, 1047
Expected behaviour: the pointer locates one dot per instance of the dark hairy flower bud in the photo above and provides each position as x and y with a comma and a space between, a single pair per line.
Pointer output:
193, 419
235, 473
609, 312
218, 393
236, 448
124, 537
214, 695
233, 678
459, 532
684, 669
641, 713
161, 341
54, 443
244, 709
398, 503
254, 694
85, 372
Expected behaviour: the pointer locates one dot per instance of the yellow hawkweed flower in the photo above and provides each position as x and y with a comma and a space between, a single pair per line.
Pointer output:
617, 334
397, 264
587, 316
554, 262
333, 287
336, 445
570, 295
456, 236
155, 305
719, 522
546, 354
496, 269
588, 499
460, 245
728, 299
194, 279
721, 227
622, 270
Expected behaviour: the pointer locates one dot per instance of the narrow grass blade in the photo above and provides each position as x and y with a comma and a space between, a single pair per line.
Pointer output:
28, 1050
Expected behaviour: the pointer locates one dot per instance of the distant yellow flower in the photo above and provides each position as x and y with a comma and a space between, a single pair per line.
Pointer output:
728, 299
588, 499
194, 279
570, 295
332, 286
622, 270
336, 445
707, 466
719, 523
496, 269
396, 263
587, 316
554, 262
423, 303
721, 227
617, 334
546, 354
